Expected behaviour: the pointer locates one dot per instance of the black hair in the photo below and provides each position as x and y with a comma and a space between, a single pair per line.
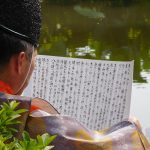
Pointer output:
20, 23
10, 45
22, 17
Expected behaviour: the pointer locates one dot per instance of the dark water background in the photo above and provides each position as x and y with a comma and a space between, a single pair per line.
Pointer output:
104, 29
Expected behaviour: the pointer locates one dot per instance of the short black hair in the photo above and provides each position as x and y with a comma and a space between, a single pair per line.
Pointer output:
10, 45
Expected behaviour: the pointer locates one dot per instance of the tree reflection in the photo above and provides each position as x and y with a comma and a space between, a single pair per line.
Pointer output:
123, 34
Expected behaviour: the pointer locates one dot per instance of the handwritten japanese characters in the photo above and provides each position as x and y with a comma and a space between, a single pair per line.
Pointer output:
97, 93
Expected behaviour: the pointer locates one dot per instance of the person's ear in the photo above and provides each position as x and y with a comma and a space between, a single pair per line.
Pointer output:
17, 63
20, 60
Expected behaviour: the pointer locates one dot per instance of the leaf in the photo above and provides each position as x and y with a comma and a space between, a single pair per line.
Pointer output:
21, 111
26, 136
13, 104
45, 139
48, 147
13, 129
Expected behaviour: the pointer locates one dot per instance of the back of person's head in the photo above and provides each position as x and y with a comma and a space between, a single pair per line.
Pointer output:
20, 23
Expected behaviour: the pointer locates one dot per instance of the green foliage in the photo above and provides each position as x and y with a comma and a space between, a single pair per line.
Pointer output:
41, 143
8, 146
8, 117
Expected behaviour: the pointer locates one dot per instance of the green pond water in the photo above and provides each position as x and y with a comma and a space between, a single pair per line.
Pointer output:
98, 30
103, 30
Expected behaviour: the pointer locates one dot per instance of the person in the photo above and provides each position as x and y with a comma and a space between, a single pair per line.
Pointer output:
20, 23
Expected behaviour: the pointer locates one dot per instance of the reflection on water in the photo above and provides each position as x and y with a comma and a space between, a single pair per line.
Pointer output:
98, 31
88, 12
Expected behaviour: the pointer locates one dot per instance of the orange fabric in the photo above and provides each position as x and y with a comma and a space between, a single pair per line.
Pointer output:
5, 88
33, 108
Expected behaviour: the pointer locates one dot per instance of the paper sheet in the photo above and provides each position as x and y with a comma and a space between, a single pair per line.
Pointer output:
97, 93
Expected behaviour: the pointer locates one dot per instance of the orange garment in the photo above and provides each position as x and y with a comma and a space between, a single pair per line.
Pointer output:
5, 88
33, 108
